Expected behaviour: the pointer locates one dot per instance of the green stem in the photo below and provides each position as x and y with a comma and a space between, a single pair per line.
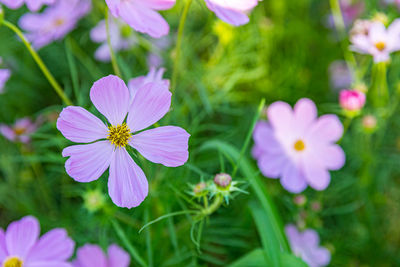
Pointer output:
213, 207
340, 27
40, 62
179, 44
113, 58
379, 94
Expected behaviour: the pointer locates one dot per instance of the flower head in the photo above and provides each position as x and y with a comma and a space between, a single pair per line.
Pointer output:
55, 22
222, 180
120, 37
93, 256
352, 100
106, 145
306, 246
33, 5
21, 245
369, 123
297, 146
20, 131
379, 42
233, 12
142, 15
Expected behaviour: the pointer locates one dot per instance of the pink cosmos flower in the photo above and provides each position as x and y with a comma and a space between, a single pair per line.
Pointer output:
142, 15
297, 146
33, 5
233, 11
106, 145
20, 245
154, 75
93, 256
352, 100
119, 39
379, 42
55, 22
20, 131
305, 245
5, 74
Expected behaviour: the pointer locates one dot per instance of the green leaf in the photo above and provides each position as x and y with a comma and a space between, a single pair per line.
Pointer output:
289, 260
255, 258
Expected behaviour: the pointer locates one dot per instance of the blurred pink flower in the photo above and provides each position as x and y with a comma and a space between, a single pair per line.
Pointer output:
154, 75
361, 27
379, 42
21, 245
55, 22
106, 145
119, 41
20, 131
142, 15
33, 5
341, 75
305, 245
297, 146
369, 122
93, 256
352, 100
5, 74
233, 11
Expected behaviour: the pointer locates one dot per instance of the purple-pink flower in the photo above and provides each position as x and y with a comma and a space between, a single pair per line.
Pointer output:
55, 22
352, 100
297, 146
379, 41
106, 145
119, 39
341, 76
142, 15
20, 245
20, 131
306, 246
93, 256
33, 5
154, 75
233, 11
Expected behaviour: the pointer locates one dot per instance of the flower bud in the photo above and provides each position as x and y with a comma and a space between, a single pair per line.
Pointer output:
316, 206
361, 27
369, 123
381, 17
199, 188
300, 200
93, 200
352, 100
223, 180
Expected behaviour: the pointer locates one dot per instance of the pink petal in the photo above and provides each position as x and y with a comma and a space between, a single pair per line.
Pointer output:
310, 237
331, 156
117, 257
166, 145
317, 176
127, 184
80, 126
12, 4
292, 179
143, 19
47, 264
239, 5
321, 256
91, 256
264, 137
88, 162
328, 128
305, 113
280, 116
53, 246
3, 248
35, 5
7, 132
272, 165
21, 236
231, 16
151, 103
159, 4
111, 98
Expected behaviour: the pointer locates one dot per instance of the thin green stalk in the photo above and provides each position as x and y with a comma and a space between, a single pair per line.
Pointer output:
340, 27
379, 94
179, 44
113, 58
248, 137
39, 62
214, 206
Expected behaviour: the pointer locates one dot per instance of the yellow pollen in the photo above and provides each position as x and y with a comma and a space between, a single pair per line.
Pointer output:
380, 46
19, 130
59, 22
299, 145
13, 262
119, 135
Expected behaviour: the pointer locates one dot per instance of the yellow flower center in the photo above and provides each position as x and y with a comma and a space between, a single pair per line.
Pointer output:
59, 22
380, 46
19, 130
119, 135
13, 262
299, 145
